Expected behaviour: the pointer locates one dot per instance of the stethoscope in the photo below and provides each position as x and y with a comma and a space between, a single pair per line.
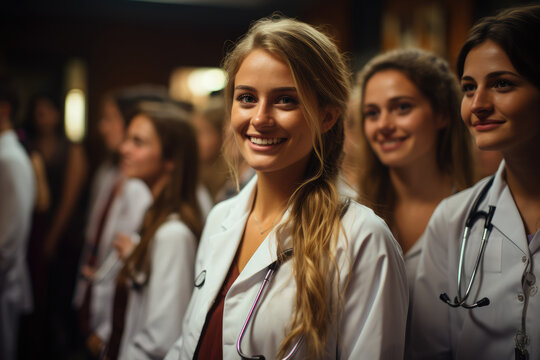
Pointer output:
474, 215
271, 269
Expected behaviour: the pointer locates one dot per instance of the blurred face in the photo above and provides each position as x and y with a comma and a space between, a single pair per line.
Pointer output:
500, 107
399, 122
46, 116
267, 120
111, 126
352, 128
142, 152
208, 139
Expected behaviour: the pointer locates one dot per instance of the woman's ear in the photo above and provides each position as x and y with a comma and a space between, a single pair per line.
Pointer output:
330, 116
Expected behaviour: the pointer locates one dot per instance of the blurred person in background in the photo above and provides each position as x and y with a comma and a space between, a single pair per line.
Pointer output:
209, 125
17, 193
415, 151
117, 207
350, 167
156, 280
56, 235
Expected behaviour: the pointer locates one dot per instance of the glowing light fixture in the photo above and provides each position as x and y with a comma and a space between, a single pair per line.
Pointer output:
75, 115
75, 102
203, 81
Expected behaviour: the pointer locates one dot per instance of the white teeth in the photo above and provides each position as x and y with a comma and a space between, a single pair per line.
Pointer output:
259, 141
391, 142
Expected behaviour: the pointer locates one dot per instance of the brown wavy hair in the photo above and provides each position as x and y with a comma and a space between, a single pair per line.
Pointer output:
322, 79
179, 144
433, 78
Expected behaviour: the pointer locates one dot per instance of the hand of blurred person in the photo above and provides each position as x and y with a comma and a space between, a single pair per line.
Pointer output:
95, 345
88, 272
123, 245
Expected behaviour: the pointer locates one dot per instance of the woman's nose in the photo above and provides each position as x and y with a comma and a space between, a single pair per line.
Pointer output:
481, 105
385, 123
263, 116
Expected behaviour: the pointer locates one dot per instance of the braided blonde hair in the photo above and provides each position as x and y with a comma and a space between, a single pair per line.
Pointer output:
322, 81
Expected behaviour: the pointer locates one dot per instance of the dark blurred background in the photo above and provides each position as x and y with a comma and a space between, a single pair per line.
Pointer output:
122, 42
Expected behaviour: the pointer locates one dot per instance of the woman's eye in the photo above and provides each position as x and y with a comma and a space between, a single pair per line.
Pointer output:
502, 84
246, 98
403, 108
369, 114
467, 88
287, 100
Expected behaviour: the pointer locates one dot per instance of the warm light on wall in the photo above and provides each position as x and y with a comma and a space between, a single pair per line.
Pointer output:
205, 80
75, 111
195, 84
75, 115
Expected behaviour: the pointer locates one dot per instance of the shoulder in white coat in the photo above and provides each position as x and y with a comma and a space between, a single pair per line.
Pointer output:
154, 316
372, 285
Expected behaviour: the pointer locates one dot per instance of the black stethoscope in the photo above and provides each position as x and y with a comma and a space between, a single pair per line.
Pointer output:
474, 215
271, 269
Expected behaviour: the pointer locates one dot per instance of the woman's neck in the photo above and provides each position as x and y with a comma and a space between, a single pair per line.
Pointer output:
420, 184
522, 171
273, 193
522, 174
159, 185
418, 192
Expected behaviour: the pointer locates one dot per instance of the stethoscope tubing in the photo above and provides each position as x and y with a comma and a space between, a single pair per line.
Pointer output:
269, 274
473, 216
271, 269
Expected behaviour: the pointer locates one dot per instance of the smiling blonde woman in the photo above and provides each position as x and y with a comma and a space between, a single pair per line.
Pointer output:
336, 280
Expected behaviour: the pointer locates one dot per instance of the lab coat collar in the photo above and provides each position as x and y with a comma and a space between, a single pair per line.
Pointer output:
8, 137
506, 212
232, 229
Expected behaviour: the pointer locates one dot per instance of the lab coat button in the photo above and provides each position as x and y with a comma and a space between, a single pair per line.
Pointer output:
520, 297
533, 290
524, 259
530, 279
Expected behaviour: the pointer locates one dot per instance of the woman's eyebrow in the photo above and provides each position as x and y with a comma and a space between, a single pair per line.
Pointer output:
250, 88
492, 75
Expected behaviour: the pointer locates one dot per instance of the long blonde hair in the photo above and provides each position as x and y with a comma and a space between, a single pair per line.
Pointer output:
433, 78
322, 81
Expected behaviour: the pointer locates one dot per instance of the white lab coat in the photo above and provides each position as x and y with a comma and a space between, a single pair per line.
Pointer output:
441, 332
17, 194
124, 217
372, 325
154, 313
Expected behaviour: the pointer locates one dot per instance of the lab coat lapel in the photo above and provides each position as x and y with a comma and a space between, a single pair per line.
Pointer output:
266, 253
506, 212
224, 243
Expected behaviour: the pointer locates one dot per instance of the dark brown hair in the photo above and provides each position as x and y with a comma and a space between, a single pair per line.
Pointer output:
516, 31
